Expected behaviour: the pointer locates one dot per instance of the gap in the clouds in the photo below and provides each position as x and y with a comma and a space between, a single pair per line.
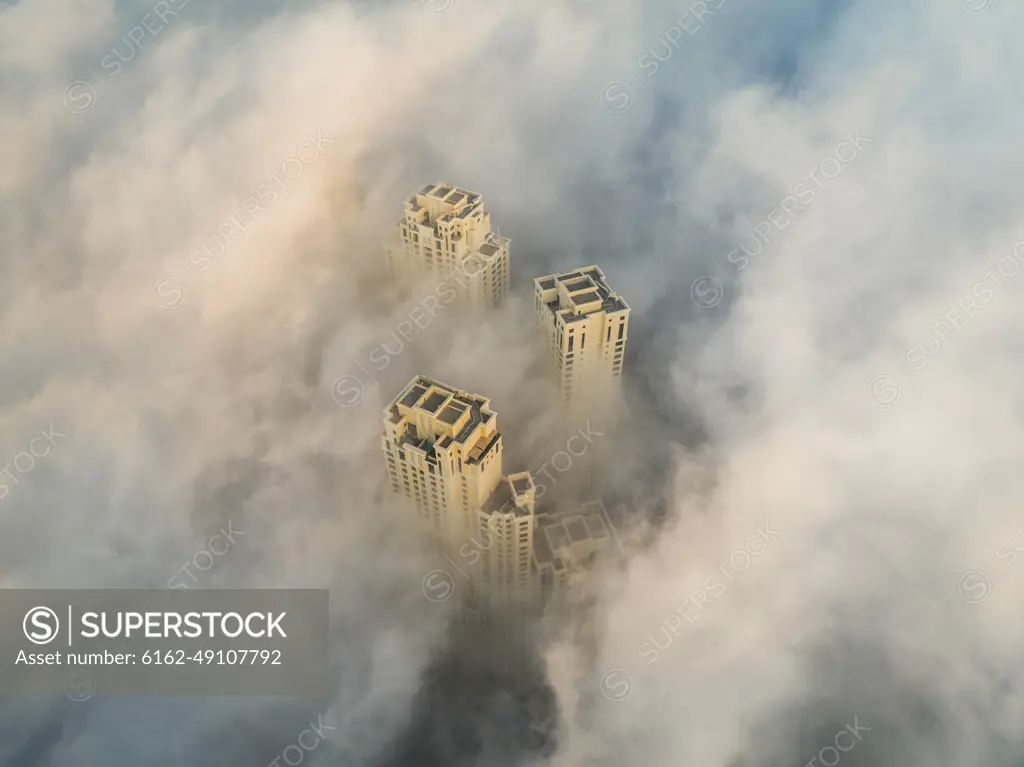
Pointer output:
800, 34
473, 711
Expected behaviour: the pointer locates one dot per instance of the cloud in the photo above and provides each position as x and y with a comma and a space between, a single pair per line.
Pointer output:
879, 509
854, 382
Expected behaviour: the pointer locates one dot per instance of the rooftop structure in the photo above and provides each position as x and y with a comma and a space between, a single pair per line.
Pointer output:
444, 452
571, 308
445, 232
568, 544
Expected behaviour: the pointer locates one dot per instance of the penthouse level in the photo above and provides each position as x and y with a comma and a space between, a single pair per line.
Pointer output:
443, 450
445, 228
584, 325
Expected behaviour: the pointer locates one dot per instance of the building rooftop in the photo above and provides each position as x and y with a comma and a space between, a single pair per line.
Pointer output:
441, 203
451, 414
573, 535
584, 298
482, 448
502, 501
434, 400
577, 529
446, 406
566, 295
475, 420
521, 485
413, 395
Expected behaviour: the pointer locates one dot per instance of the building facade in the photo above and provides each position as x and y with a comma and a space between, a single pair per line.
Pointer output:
584, 326
444, 453
445, 233
570, 544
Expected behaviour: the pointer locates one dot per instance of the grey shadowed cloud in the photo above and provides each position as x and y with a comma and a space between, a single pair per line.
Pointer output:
847, 376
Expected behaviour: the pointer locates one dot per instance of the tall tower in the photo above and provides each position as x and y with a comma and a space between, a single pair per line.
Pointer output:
584, 325
446, 233
443, 451
508, 569
570, 548
569, 544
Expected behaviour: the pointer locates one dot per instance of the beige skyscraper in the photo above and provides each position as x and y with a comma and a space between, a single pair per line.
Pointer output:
569, 545
584, 325
446, 232
506, 541
444, 453
443, 450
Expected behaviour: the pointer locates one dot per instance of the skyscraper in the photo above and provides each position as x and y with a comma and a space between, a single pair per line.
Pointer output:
569, 544
584, 325
444, 453
446, 231
506, 530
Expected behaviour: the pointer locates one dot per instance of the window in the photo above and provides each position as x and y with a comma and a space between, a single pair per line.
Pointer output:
622, 328
570, 340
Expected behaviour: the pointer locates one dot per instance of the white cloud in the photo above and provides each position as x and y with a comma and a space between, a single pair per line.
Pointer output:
853, 609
